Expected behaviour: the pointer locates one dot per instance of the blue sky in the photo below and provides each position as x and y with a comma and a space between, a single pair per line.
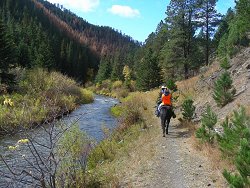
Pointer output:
136, 18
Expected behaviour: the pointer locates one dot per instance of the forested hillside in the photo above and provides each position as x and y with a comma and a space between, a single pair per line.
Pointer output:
192, 35
43, 35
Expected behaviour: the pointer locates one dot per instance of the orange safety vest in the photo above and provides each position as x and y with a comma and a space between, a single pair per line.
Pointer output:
166, 99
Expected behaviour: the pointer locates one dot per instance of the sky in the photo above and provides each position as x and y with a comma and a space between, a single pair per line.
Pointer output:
136, 18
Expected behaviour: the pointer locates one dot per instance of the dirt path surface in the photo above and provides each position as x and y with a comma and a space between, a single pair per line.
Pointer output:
175, 164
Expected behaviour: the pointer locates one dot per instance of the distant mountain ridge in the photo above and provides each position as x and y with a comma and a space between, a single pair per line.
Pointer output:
101, 39
54, 38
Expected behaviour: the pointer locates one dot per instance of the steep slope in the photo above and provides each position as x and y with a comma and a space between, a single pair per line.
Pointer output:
103, 40
59, 41
240, 73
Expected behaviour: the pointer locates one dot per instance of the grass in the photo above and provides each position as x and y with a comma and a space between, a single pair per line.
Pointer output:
124, 150
41, 96
116, 111
115, 89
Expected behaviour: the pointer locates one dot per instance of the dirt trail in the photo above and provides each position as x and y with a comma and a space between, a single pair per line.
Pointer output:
175, 164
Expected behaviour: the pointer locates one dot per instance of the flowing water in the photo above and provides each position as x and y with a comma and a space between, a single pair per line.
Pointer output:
90, 117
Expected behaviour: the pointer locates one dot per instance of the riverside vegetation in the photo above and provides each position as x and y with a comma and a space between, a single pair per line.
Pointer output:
39, 96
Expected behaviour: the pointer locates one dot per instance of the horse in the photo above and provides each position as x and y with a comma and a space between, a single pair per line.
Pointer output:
165, 113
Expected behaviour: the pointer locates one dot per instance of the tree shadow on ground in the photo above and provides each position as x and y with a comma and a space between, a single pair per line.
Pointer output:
177, 132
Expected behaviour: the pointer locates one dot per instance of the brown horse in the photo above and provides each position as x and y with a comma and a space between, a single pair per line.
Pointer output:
165, 114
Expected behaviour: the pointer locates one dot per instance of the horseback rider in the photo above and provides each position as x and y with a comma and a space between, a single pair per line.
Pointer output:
165, 109
166, 98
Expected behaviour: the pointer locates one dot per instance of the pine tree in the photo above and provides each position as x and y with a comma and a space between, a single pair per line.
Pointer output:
7, 56
223, 90
242, 162
235, 144
238, 31
225, 63
188, 109
206, 131
223, 26
171, 85
148, 72
178, 51
208, 20
104, 71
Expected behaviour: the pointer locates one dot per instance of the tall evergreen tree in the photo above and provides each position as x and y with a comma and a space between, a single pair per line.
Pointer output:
7, 55
208, 20
181, 29
104, 70
239, 28
223, 26
148, 72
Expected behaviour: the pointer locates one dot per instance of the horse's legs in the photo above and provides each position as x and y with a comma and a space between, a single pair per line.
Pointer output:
167, 125
163, 120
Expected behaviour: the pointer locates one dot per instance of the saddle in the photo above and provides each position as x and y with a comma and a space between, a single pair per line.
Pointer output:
168, 107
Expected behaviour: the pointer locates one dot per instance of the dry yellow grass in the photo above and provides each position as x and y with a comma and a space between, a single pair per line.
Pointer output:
186, 88
248, 110
212, 68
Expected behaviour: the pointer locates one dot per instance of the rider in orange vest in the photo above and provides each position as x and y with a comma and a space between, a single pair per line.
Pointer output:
166, 98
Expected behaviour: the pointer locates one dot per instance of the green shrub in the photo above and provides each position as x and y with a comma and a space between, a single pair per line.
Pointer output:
206, 131
117, 84
121, 93
86, 96
171, 85
117, 111
202, 134
242, 162
104, 151
223, 90
132, 113
235, 144
188, 109
225, 63
72, 150
234, 131
106, 84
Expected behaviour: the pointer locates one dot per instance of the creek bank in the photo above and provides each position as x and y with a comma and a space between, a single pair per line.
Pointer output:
90, 117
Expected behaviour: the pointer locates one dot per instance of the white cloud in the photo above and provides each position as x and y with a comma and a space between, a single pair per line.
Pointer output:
82, 5
124, 11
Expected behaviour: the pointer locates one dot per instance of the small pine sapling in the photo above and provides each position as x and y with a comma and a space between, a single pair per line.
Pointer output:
223, 90
188, 109
225, 63
171, 85
206, 132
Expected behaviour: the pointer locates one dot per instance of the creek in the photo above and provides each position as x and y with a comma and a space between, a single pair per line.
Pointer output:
90, 117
